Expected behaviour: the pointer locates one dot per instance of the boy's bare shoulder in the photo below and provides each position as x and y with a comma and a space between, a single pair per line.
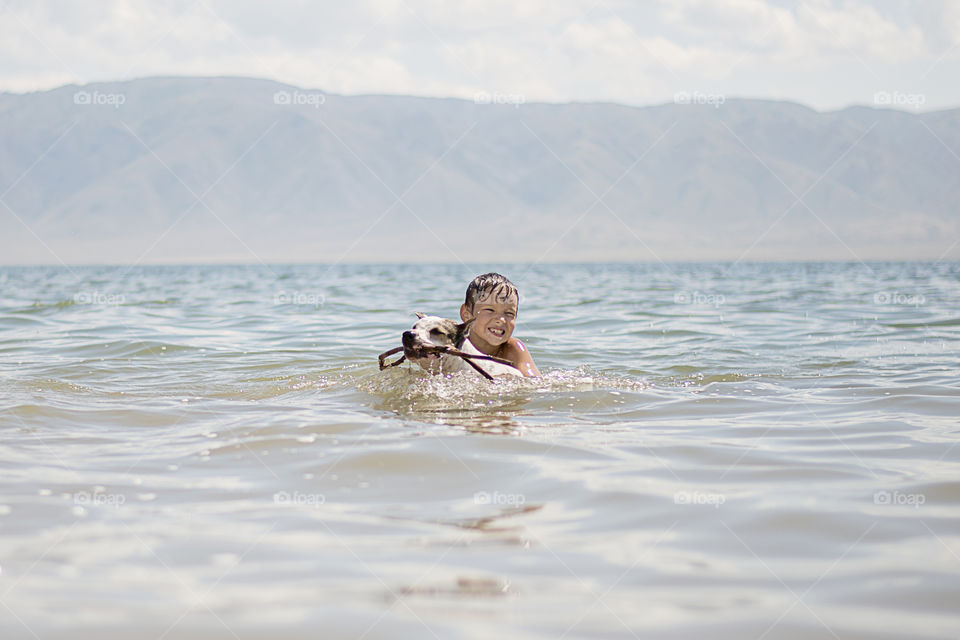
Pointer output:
513, 347
516, 352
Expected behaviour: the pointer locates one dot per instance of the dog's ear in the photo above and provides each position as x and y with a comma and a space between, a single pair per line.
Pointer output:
420, 315
462, 331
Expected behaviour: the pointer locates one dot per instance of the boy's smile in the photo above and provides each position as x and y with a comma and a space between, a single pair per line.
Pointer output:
493, 322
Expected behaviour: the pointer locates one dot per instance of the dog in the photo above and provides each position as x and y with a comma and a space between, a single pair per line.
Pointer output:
440, 345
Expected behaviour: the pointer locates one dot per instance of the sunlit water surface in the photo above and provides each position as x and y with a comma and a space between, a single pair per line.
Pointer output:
714, 451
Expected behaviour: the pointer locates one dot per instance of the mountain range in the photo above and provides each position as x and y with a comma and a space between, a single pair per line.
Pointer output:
161, 170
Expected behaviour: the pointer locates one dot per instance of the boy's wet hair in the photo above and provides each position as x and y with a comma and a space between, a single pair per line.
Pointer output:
492, 284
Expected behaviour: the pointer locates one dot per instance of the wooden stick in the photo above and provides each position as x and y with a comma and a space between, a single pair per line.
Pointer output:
383, 356
468, 358
478, 368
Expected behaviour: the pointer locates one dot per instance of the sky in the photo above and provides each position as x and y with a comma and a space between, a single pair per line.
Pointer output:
827, 54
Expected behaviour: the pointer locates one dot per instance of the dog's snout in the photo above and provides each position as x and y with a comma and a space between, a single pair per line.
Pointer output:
408, 338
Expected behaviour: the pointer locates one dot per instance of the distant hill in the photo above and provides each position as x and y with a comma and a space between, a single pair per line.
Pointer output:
235, 169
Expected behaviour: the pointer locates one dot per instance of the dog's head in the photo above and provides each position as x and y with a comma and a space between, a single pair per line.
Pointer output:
432, 331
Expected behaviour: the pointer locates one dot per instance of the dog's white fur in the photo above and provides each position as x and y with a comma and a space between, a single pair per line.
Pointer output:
444, 332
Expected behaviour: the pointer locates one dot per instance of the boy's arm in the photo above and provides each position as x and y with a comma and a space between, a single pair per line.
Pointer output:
517, 353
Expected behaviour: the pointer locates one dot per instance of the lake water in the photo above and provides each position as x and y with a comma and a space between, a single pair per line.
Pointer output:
714, 451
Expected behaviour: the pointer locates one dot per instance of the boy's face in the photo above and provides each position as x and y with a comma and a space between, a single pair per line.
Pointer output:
494, 318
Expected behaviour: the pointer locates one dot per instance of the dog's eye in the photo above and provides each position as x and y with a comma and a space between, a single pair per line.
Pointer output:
436, 332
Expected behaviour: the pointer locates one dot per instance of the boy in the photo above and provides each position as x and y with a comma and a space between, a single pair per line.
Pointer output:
491, 302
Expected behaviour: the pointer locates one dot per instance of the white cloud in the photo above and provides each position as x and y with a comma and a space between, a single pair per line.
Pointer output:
859, 30
821, 52
816, 33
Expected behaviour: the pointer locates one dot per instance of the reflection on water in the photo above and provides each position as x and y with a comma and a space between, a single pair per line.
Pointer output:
720, 451
493, 523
